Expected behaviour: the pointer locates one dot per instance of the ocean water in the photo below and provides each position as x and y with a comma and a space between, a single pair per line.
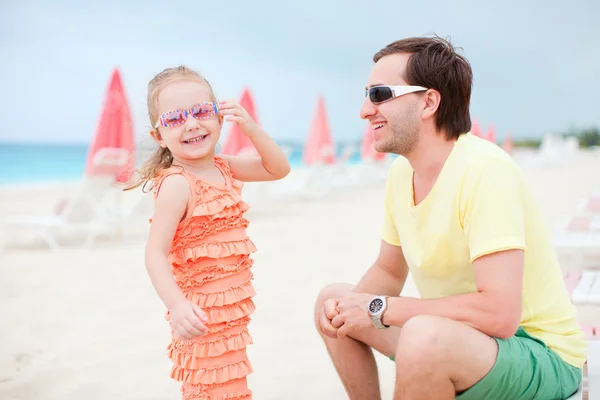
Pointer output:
33, 163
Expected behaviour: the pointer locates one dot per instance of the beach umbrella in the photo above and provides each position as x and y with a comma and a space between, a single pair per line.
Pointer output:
236, 141
491, 133
319, 144
111, 149
507, 145
367, 151
475, 129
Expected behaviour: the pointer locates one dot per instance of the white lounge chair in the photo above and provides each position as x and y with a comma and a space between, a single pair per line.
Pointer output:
589, 206
87, 214
594, 370
578, 283
84, 214
316, 180
593, 375
577, 239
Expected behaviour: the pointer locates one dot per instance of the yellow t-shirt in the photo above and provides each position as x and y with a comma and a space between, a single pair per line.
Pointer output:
481, 204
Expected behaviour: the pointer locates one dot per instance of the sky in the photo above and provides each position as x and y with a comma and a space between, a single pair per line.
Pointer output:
536, 63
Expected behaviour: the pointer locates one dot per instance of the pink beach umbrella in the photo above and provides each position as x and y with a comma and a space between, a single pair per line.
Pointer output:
367, 151
236, 141
508, 143
319, 145
475, 128
491, 133
114, 137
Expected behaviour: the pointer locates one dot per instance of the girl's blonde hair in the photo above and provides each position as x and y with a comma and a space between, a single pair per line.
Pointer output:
162, 158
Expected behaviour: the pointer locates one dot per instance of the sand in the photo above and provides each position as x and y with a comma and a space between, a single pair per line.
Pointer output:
86, 323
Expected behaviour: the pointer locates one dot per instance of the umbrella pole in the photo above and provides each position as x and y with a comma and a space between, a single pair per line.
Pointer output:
119, 208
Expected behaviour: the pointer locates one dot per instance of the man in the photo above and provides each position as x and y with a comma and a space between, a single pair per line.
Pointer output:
494, 320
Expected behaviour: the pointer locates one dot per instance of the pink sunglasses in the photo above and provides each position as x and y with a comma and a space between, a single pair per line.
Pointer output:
178, 117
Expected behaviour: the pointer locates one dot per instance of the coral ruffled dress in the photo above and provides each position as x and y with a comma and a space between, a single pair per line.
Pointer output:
211, 264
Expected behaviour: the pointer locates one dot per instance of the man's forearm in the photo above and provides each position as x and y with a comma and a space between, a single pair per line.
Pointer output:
478, 310
380, 281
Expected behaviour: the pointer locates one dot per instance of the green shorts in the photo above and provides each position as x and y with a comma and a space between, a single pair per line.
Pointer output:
525, 369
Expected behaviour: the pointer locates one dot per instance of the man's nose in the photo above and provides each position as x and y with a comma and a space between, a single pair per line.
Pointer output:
368, 109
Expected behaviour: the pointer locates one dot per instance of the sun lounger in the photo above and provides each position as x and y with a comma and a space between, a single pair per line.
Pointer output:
581, 286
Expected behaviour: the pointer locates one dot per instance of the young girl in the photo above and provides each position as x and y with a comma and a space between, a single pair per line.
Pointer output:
198, 251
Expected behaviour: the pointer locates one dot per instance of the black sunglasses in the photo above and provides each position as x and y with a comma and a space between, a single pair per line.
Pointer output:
380, 94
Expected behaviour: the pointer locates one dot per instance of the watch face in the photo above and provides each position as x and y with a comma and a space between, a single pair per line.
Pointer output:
375, 306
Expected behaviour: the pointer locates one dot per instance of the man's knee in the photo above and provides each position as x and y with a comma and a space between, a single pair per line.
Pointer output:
331, 291
422, 339
450, 348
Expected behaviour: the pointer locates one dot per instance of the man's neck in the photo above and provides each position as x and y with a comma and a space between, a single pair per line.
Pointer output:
429, 156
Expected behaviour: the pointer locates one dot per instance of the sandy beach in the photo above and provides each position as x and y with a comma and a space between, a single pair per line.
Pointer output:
86, 323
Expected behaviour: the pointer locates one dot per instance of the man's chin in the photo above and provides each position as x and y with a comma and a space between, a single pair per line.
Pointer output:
381, 147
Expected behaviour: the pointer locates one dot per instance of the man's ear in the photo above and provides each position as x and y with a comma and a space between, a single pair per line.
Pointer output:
158, 138
432, 103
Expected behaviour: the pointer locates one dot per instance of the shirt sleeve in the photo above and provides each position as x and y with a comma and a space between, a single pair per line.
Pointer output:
492, 207
389, 231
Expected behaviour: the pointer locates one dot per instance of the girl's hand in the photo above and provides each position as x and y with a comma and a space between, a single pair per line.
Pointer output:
234, 112
188, 320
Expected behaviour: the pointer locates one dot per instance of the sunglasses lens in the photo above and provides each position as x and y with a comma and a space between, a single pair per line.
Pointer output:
174, 118
380, 94
203, 111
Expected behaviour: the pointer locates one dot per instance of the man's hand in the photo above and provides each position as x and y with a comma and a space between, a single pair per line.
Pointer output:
326, 314
352, 314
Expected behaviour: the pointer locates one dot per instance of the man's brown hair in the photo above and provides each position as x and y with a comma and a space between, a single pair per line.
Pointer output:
435, 64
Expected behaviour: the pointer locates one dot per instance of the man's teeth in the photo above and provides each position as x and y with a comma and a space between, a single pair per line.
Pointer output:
379, 125
197, 139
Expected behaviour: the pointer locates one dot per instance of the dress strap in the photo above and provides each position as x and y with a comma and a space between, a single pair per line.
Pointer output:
176, 170
223, 166
231, 183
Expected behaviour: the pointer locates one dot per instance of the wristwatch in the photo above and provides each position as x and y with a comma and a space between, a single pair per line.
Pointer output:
376, 307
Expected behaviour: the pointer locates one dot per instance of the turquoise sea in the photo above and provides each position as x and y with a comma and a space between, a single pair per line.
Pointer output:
32, 163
